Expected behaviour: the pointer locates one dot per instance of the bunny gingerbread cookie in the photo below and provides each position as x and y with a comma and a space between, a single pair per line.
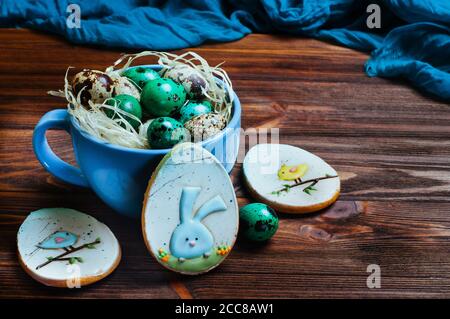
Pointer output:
190, 216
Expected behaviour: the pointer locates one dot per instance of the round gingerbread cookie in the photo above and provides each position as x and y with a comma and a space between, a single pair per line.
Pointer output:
190, 216
290, 179
63, 247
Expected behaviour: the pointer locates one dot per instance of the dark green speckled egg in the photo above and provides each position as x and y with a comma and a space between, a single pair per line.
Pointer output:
258, 221
193, 109
128, 104
162, 97
165, 132
141, 75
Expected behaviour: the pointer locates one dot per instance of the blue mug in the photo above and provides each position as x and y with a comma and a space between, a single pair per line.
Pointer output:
117, 174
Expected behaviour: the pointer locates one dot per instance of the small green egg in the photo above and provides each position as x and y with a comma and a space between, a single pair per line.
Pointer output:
258, 221
162, 97
128, 104
165, 132
193, 109
141, 75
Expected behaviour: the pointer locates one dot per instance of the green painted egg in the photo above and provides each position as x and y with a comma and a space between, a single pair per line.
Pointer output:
165, 132
193, 109
162, 97
259, 222
128, 104
141, 75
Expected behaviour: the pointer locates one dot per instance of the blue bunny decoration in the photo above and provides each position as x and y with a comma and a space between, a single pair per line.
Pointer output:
191, 238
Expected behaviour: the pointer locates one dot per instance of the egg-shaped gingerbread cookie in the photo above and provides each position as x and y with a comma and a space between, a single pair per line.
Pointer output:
190, 216
290, 179
62, 247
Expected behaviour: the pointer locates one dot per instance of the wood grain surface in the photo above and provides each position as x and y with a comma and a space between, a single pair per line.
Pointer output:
390, 144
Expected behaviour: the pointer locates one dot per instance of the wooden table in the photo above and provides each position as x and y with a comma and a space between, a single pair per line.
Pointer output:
390, 144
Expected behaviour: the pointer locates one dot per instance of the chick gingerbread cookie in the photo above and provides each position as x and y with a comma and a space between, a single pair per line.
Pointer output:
62, 247
190, 216
290, 179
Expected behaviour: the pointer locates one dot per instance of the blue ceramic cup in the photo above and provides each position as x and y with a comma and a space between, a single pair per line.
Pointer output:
117, 174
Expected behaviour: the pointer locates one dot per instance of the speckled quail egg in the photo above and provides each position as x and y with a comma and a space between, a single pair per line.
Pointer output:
123, 85
205, 126
165, 132
258, 222
193, 109
192, 80
140, 75
97, 85
126, 103
162, 97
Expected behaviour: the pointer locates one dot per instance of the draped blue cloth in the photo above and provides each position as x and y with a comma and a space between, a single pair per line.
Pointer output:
413, 41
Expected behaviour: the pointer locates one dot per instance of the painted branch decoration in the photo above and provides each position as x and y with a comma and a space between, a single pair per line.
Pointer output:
310, 188
71, 260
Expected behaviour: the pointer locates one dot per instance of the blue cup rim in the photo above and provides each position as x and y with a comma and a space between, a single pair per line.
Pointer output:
233, 123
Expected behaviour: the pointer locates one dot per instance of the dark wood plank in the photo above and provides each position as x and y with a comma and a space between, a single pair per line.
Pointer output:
389, 143
327, 255
322, 255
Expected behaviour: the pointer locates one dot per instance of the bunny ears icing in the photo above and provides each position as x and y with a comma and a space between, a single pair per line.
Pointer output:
189, 196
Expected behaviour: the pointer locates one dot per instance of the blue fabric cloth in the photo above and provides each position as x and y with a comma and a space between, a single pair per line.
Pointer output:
413, 43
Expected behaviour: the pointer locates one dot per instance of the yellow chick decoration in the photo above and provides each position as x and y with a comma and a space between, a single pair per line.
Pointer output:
292, 173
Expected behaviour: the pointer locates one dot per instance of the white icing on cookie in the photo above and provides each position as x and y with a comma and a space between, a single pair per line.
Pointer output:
63, 247
278, 175
190, 214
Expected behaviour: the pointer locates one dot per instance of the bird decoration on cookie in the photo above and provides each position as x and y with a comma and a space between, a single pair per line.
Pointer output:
58, 240
295, 173
292, 173
64, 240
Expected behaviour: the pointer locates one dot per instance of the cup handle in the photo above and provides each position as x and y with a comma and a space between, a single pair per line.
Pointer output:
56, 119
